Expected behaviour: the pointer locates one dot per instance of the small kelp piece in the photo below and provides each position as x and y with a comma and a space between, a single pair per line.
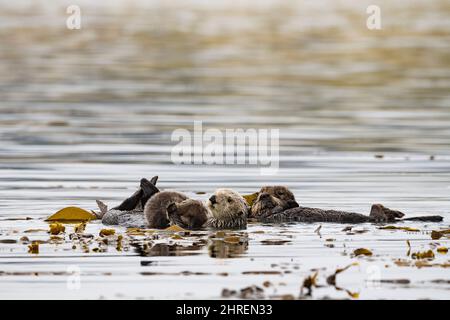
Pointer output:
354, 295
72, 214
232, 239
79, 228
331, 280
56, 228
309, 283
252, 292
250, 198
318, 231
362, 251
423, 255
442, 250
174, 228
33, 247
437, 234
399, 228
107, 232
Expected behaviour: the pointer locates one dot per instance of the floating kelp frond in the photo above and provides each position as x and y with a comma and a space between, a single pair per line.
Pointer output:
107, 232
72, 214
362, 251
399, 228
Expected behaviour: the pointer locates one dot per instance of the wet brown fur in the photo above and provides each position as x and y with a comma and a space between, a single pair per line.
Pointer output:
277, 203
189, 214
155, 209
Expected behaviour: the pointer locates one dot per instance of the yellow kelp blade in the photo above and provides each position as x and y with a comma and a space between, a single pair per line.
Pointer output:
72, 214
250, 198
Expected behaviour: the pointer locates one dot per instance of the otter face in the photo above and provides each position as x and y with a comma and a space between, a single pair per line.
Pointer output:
380, 213
189, 214
271, 197
228, 208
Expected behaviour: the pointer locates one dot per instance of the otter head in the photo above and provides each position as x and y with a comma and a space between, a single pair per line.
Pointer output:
189, 214
273, 198
380, 213
228, 209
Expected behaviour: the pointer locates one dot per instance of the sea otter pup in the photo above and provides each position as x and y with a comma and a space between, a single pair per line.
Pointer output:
172, 207
227, 210
189, 214
277, 203
162, 209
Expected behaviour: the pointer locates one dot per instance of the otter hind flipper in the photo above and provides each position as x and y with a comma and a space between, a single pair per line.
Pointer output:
154, 180
131, 202
148, 189
103, 209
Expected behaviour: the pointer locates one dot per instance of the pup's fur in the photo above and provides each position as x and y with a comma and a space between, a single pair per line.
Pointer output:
155, 210
189, 214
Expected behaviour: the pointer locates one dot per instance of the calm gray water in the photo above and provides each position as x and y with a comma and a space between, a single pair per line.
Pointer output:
363, 117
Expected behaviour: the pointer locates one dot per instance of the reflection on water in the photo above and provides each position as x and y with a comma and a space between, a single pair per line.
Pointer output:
85, 114
227, 246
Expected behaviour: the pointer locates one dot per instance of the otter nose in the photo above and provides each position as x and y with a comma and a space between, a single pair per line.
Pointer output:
213, 199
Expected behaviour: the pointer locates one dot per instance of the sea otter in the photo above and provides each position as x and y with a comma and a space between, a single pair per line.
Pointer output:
172, 207
150, 208
277, 204
227, 210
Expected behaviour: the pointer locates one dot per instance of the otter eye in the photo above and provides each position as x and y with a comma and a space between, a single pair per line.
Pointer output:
280, 193
229, 200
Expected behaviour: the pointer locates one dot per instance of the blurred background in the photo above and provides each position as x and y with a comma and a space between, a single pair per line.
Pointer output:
363, 115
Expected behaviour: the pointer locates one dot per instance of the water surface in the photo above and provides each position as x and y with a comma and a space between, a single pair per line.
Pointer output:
363, 117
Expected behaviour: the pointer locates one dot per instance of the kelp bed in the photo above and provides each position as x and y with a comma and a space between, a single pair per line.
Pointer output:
41, 259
